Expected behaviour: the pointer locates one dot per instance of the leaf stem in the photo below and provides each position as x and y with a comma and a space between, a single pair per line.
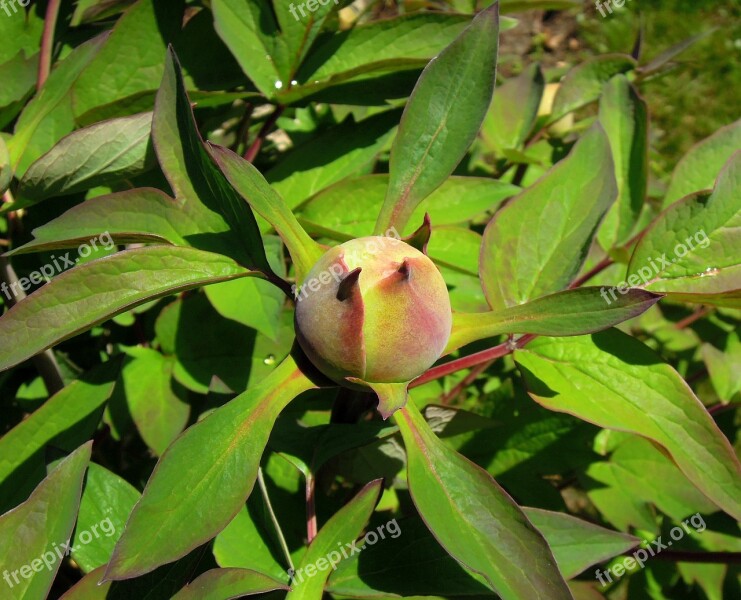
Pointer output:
311, 524
472, 360
253, 150
47, 42
598, 268
273, 518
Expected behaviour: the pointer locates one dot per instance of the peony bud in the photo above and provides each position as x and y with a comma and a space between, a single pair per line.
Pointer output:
374, 311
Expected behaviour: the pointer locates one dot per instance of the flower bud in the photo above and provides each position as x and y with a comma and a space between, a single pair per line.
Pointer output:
373, 310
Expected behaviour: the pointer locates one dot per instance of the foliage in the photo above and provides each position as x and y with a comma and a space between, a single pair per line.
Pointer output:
177, 175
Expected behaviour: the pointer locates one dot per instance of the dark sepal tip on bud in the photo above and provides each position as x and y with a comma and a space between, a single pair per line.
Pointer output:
345, 289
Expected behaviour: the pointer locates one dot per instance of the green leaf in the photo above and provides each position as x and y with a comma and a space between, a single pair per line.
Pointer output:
204, 477
350, 206
19, 76
20, 31
141, 35
337, 536
537, 243
457, 248
614, 381
699, 168
442, 118
691, 251
246, 542
224, 584
409, 563
624, 117
34, 534
387, 45
572, 312
93, 292
235, 354
584, 83
723, 367
6, 172
146, 381
161, 584
141, 215
251, 301
195, 178
49, 115
643, 472
66, 420
578, 544
250, 31
106, 503
347, 149
97, 155
514, 109
474, 519
298, 32
252, 187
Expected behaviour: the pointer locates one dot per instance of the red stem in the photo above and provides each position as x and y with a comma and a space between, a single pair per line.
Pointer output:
253, 150
47, 42
467, 380
598, 268
471, 360
311, 524
695, 316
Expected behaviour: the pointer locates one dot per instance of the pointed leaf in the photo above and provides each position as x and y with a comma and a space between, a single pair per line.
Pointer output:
97, 155
693, 250
251, 185
699, 168
537, 243
141, 34
33, 534
584, 83
474, 519
224, 584
342, 151
204, 477
614, 381
442, 118
624, 116
351, 205
572, 312
49, 115
342, 529
250, 31
195, 178
514, 109
92, 293
66, 420
578, 544
386, 45
106, 503
141, 215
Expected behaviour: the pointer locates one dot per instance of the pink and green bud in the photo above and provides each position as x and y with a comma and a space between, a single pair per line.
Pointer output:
374, 311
